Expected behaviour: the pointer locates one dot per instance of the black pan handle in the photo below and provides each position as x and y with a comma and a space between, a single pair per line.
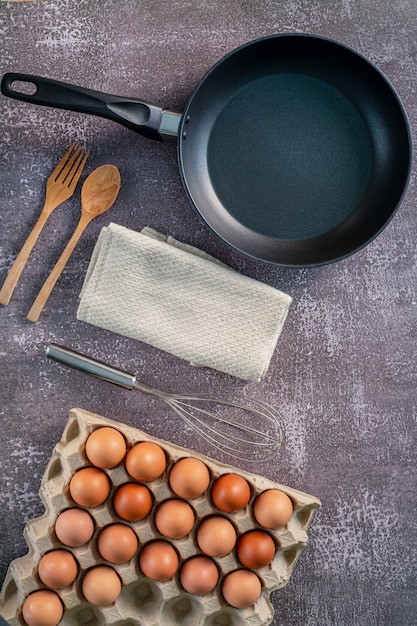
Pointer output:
140, 116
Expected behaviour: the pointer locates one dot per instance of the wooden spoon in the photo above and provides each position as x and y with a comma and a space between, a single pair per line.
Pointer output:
98, 193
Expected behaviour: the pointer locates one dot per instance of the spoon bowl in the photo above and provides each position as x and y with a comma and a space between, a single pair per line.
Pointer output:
98, 193
100, 190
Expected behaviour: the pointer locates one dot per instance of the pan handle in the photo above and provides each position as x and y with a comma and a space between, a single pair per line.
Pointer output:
142, 117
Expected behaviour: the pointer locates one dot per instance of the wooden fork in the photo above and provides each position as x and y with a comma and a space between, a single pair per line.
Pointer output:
59, 187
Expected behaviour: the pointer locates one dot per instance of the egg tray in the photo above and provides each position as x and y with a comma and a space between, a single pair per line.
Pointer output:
144, 602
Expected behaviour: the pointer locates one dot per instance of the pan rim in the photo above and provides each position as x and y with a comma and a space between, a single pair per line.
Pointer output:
332, 256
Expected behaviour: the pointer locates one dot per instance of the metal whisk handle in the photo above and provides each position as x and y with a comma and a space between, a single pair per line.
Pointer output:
90, 366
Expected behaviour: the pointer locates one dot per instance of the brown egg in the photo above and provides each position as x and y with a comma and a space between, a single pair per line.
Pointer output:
255, 549
230, 493
199, 575
146, 461
132, 502
158, 560
89, 487
101, 585
272, 509
216, 536
189, 478
174, 518
105, 447
42, 608
57, 569
241, 588
74, 527
117, 543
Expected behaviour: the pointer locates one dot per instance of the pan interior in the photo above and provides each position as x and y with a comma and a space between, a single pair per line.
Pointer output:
289, 156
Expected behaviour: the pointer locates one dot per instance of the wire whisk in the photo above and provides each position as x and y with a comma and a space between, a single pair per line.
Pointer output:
251, 430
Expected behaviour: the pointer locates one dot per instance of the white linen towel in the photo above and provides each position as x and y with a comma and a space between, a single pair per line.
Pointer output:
177, 298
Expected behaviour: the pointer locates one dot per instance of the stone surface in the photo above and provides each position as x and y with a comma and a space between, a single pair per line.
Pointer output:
344, 372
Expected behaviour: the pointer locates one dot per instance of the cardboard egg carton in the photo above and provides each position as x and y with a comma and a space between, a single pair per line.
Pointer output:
144, 602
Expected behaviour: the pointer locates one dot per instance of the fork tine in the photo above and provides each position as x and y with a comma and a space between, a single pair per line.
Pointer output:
66, 169
76, 171
62, 162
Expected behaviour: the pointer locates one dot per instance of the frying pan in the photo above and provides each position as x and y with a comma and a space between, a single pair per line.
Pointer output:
294, 149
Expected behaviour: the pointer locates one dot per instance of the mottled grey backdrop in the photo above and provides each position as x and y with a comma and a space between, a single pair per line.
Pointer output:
344, 373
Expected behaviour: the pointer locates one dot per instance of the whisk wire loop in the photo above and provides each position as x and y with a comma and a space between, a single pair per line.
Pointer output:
239, 439
268, 439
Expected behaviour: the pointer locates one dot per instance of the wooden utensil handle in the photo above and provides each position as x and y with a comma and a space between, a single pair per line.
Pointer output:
21, 259
45, 292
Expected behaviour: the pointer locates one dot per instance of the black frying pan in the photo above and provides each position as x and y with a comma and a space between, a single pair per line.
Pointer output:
294, 149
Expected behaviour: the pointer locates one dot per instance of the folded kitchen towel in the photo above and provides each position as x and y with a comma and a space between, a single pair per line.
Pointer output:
175, 297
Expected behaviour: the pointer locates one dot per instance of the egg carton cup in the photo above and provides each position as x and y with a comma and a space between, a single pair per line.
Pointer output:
144, 602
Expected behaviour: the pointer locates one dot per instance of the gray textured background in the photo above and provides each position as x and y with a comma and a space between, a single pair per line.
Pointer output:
344, 372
